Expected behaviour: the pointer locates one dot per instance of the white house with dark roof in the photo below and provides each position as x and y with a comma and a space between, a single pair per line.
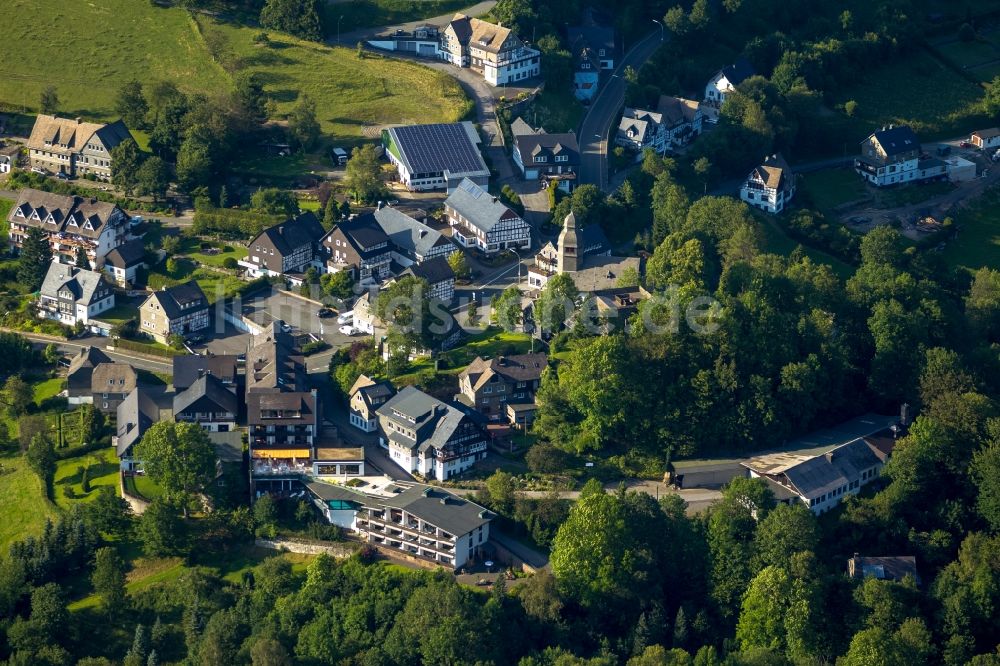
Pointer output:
725, 81
640, 129
70, 295
770, 186
209, 403
478, 219
366, 396
411, 240
490, 49
549, 157
178, 310
122, 263
986, 139
428, 437
436, 156
822, 481
70, 223
893, 155
421, 521
438, 274
286, 249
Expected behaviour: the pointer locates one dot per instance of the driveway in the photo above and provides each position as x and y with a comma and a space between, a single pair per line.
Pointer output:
355, 36
596, 125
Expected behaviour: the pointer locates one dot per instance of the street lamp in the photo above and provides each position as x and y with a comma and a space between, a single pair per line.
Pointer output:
662, 37
339, 19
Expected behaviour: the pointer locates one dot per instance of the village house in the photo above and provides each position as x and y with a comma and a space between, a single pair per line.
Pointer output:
428, 437
286, 249
491, 50
479, 220
591, 242
361, 247
71, 223
438, 274
593, 35
821, 481
552, 158
110, 383
178, 310
73, 147
282, 411
421, 521
436, 156
682, 120
503, 389
209, 403
987, 139
135, 415
79, 373
770, 186
586, 73
366, 396
411, 240
725, 81
8, 157
72, 295
893, 155
640, 129
122, 263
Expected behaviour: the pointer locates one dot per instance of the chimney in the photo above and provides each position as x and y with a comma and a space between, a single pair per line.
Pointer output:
423, 232
380, 204
79, 120
496, 199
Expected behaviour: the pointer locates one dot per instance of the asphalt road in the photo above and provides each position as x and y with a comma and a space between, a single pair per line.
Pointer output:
74, 346
596, 125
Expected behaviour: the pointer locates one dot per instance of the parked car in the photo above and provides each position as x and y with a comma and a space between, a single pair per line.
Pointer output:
285, 328
965, 144
62, 176
38, 170
346, 317
241, 358
325, 313
348, 330
195, 339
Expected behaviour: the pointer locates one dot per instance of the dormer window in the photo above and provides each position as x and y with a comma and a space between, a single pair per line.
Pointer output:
87, 225
541, 158
586, 65
601, 53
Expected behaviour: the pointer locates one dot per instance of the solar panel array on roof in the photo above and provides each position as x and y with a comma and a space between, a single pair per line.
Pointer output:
439, 147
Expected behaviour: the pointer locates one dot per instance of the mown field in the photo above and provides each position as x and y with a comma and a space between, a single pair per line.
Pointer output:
978, 242
200, 55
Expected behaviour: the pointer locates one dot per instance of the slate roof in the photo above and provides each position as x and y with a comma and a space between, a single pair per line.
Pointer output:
181, 299
85, 285
433, 421
206, 391
126, 255
440, 147
60, 213
530, 146
592, 240
371, 389
411, 236
818, 475
363, 232
74, 133
292, 234
440, 508
738, 72
299, 401
483, 210
594, 36
273, 363
896, 140
433, 270
189, 367
135, 414
520, 128
518, 368
113, 378
642, 122
81, 368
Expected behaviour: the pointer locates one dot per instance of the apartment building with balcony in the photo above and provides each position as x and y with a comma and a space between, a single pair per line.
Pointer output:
429, 437
209, 403
70, 223
418, 520
282, 413
73, 295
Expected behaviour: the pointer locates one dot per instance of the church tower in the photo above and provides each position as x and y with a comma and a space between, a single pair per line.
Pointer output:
567, 258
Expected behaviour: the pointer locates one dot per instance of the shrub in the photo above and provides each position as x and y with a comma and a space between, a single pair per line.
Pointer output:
230, 263
850, 107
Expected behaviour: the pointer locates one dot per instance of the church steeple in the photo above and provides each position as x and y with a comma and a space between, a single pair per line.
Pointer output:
567, 258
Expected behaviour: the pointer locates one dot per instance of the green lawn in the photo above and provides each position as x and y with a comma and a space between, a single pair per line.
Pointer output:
555, 111
25, 506
978, 242
103, 471
349, 92
155, 43
5, 206
829, 188
47, 389
374, 13
119, 314
216, 285
970, 54
915, 90
912, 193
779, 243
142, 486
194, 251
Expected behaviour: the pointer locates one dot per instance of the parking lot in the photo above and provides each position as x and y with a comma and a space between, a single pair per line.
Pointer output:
299, 314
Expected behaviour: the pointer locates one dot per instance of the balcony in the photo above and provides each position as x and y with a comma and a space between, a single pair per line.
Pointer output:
279, 468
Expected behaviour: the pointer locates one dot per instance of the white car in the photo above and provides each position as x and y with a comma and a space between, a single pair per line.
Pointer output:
346, 317
348, 330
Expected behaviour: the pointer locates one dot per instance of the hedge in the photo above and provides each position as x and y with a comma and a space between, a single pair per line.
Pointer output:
132, 345
208, 219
